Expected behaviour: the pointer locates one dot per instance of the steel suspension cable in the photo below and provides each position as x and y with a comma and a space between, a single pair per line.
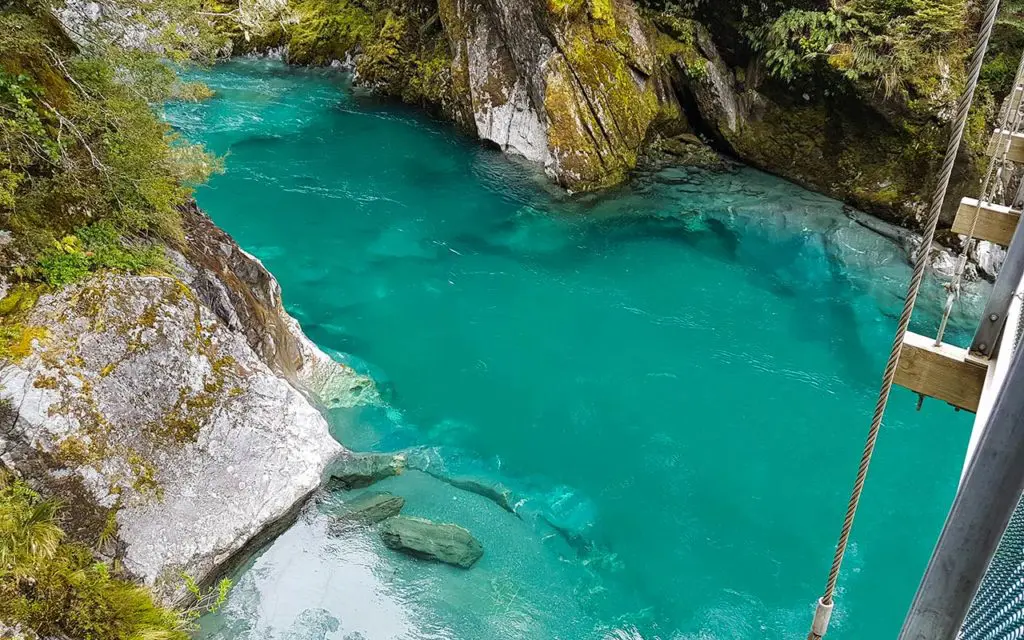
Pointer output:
825, 604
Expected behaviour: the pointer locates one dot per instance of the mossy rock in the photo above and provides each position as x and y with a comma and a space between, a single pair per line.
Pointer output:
602, 96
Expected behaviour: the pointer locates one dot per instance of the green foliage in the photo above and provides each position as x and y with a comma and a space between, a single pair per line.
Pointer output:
327, 30
79, 141
1005, 50
901, 46
903, 49
64, 265
56, 588
404, 52
794, 42
208, 600
27, 529
98, 246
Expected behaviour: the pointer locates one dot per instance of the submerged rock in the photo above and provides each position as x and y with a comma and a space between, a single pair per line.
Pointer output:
357, 472
421, 538
498, 494
366, 509
313, 624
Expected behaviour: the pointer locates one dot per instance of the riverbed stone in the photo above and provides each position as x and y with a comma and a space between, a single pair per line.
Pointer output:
367, 509
448, 543
359, 471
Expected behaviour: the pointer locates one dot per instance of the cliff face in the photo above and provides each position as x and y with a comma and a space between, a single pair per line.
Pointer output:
835, 140
584, 86
174, 415
574, 85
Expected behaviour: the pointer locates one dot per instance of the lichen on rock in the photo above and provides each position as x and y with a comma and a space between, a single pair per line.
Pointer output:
164, 416
175, 415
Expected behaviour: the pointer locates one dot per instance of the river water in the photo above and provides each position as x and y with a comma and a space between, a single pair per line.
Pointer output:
672, 380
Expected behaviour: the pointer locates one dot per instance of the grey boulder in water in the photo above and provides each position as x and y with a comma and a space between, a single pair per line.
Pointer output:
359, 471
366, 509
421, 538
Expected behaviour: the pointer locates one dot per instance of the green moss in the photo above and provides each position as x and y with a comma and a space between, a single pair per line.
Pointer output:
145, 476
45, 382
327, 30
17, 337
193, 410
16, 340
600, 109
880, 168
74, 451
384, 55
431, 79
676, 41
579, 163
566, 8
20, 299
404, 53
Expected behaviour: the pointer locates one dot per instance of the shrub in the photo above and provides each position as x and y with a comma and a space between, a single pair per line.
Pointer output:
97, 246
55, 587
900, 45
79, 141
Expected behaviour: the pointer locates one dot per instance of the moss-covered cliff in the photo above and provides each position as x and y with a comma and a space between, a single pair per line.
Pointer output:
574, 85
852, 98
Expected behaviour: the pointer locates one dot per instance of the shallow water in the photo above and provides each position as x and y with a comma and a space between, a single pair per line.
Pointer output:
672, 381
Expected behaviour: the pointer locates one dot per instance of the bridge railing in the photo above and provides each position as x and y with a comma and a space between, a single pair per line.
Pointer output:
973, 588
997, 610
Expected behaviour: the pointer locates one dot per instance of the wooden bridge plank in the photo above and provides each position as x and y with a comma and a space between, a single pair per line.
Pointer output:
942, 372
996, 223
1016, 142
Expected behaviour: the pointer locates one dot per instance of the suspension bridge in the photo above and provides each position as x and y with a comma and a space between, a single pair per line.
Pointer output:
973, 587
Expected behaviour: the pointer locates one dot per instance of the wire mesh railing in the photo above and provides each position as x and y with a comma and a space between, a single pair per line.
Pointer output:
997, 611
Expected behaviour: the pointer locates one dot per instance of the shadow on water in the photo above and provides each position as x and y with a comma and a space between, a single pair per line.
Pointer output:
259, 144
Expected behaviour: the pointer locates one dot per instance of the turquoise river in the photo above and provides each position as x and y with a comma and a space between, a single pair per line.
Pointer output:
671, 380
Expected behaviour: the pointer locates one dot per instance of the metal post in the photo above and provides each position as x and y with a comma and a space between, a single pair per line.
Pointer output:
983, 506
986, 339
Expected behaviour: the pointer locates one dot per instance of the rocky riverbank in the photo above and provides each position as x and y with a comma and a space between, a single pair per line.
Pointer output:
584, 87
175, 415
